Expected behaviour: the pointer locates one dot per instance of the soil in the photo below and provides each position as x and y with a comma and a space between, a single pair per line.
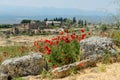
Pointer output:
101, 72
22, 40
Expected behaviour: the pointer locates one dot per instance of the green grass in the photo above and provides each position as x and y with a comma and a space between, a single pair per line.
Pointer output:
102, 67
18, 79
12, 51
117, 35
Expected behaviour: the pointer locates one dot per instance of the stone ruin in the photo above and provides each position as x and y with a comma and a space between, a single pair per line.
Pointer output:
95, 46
31, 64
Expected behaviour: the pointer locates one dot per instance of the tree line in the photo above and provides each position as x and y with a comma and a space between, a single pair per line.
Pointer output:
6, 26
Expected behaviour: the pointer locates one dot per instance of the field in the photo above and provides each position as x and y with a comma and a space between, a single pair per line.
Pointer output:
17, 46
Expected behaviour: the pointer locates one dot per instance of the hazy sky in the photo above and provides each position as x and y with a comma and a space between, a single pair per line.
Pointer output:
78, 4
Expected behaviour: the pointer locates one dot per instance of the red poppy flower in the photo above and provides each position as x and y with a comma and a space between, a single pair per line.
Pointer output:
54, 39
49, 60
55, 66
5, 54
47, 41
83, 36
46, 47
61, 33
89, 33
49, 52
44, 52
67, 31
66, 39
63, 38
73, 37
80, 39
81, 64
82, 30
58, 37
11, 55
57, 42
67, 59
35, 43
51, 43
0, 59
38, 48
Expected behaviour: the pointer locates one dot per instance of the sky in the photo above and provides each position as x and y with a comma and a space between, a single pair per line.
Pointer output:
26, 8
88, 5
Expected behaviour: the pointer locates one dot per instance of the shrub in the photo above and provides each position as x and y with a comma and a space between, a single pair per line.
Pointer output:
102, 67
116, 35
107, 58
61, 50
18, 78
103, 27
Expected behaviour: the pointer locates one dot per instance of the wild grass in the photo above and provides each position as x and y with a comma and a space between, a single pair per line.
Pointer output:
102, 67
7, 52
10, 49
18, 78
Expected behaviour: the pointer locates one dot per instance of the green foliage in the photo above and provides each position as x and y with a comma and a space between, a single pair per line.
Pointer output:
7, 36
6, 26
44, 73
18, 78
85, 23
103, 27
73, 71
118, 25
87, 29
107, 58
68, 22
74, 19
118, 57
102, 67
12, 51
116, 35
25, 21
80, 22
64, 53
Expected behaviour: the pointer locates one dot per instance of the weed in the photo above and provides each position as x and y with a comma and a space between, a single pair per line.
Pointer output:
102, 67
18, 78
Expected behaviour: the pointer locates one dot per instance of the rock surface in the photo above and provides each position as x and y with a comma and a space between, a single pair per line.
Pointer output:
95, 46
65, 70
32, 64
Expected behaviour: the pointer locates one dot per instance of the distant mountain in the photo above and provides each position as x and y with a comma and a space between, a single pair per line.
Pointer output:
15, 15
26, 11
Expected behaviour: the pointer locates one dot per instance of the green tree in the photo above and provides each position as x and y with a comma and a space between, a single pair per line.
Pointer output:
46, 19
82, 23
52, 23
25, 21
103, 27
85, 23
74, 19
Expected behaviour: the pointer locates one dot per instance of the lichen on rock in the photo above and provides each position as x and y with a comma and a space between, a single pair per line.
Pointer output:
96, 45
31, 64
